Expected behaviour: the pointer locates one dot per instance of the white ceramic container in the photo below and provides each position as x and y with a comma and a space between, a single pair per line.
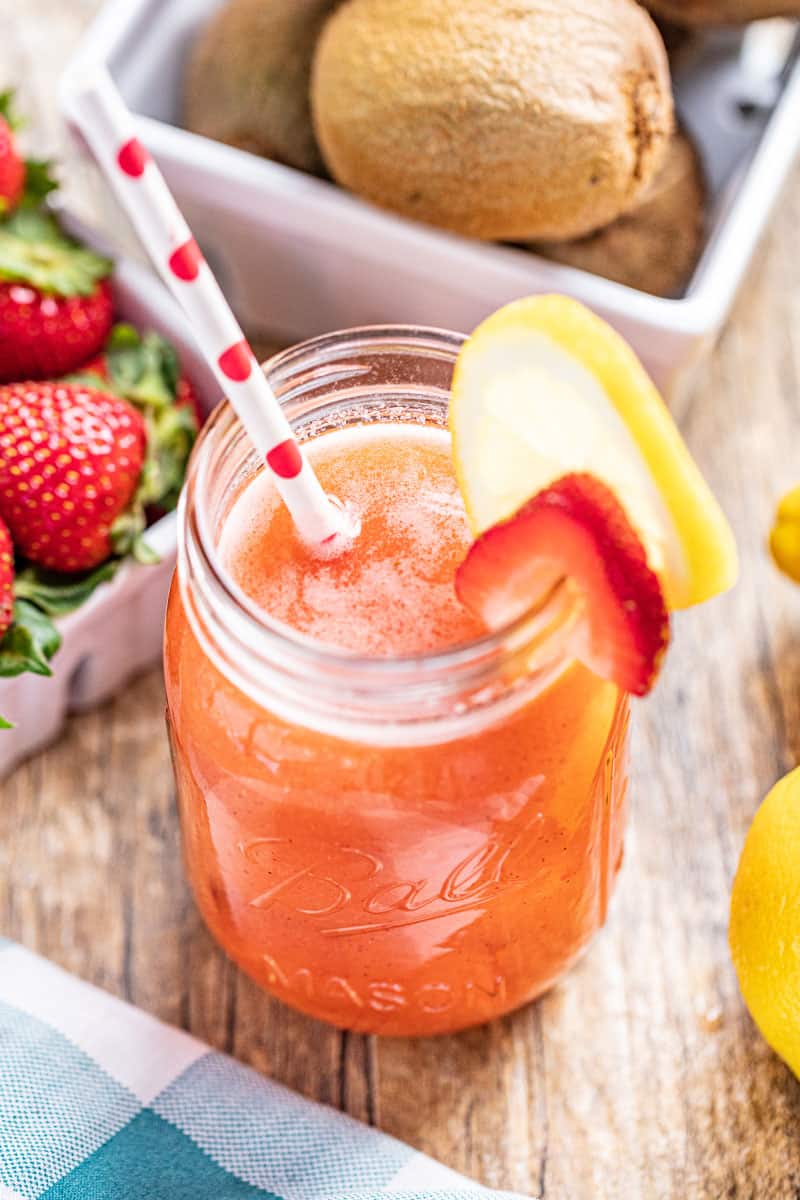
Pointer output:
118, 631
299, 256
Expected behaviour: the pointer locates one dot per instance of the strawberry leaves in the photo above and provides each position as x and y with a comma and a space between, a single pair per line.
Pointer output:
32, 639
39, 182
8, 110
127, 534
170, 436
29, 643
144, 370
34, 250
56, 594
40, 596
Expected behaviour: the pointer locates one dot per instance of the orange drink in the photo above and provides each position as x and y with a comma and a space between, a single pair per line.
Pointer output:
391, 820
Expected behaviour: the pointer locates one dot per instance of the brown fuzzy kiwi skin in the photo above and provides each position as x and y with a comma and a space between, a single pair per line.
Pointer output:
654, 247
721, 12
247, 77
498, 119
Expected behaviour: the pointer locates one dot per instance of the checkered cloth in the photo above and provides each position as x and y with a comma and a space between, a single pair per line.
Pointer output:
99, 1101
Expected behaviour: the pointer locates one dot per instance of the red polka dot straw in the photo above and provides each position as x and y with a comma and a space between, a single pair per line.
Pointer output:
108, 128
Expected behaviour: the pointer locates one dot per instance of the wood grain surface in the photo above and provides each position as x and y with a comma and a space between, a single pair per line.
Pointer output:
640, 1075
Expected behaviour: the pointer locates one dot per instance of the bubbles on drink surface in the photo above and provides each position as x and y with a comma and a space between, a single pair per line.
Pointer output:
387, 591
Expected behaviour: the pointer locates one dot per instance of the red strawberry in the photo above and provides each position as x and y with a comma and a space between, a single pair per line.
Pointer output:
43, 335
70, 462
55, 299
12, 166
6, 579
577, 529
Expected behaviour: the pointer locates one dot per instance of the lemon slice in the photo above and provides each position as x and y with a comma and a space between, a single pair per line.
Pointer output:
544, 388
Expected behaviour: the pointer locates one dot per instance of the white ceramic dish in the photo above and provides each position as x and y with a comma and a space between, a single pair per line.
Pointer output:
299, 256
118, 632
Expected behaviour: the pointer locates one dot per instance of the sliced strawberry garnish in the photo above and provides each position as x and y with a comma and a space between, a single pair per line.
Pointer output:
575, 528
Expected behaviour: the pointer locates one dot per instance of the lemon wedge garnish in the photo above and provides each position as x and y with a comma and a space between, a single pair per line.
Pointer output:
543, 388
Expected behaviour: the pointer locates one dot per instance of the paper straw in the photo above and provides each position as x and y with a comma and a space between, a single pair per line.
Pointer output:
108, 127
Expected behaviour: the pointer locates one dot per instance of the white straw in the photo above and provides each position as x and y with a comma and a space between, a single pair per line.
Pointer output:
108, 128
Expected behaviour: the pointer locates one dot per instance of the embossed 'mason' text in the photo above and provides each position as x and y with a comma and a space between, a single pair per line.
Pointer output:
384, 995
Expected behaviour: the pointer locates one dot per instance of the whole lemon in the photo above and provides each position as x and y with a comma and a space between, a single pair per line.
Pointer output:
784, 541
765, 919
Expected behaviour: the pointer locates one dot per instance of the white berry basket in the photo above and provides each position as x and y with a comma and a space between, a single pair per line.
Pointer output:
299, 256
118, 631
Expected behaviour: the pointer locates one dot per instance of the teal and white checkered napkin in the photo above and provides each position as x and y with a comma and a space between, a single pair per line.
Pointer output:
99, 1101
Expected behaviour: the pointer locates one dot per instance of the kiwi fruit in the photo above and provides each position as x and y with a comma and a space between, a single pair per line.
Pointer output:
499, 119
722, 12
247, 78
656, 245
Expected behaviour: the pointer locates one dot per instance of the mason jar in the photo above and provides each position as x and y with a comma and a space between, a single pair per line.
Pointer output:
393, 845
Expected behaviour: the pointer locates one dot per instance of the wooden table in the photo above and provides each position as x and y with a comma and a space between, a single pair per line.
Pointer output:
640, 1075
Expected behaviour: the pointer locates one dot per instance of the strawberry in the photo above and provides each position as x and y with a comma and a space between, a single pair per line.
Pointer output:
70, 462
575, 528
6, 578
42, 335
145, 370
55, 299
12, 166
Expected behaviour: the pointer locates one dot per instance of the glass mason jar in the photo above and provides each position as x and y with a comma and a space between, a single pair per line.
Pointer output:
396, 846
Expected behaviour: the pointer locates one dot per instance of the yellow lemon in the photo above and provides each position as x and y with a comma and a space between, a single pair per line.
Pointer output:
544, 388
765, 919
784, 541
